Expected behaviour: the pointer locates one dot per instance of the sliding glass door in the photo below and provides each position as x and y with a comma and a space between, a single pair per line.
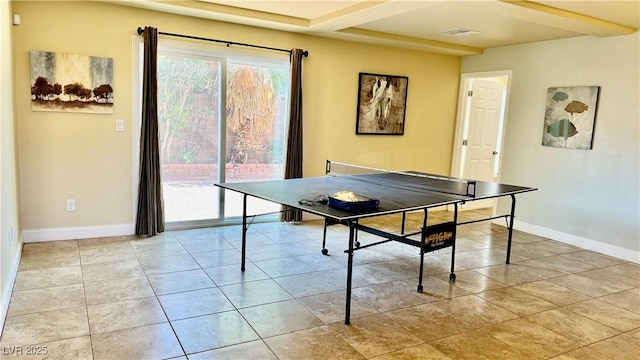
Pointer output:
188, 111
222, 118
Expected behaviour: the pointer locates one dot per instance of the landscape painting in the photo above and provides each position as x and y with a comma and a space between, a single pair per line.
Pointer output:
570, 116
71, 83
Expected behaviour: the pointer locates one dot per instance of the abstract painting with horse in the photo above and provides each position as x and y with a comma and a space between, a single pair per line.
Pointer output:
381, 104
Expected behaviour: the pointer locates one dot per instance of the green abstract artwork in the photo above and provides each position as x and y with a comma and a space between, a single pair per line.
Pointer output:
569, 119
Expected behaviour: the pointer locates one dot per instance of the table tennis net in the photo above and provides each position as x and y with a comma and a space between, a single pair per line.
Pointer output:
411, 180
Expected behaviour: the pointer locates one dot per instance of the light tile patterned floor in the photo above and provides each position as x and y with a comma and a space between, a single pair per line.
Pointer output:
182, 295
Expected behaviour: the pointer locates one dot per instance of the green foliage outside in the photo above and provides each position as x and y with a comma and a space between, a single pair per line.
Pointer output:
188, 111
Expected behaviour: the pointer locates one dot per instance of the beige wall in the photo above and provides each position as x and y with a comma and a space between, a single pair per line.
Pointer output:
81, 156
588, 198
9, 213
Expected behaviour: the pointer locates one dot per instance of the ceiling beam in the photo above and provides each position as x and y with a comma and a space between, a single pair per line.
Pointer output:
376, 37
220, 12
531, 11
364, 12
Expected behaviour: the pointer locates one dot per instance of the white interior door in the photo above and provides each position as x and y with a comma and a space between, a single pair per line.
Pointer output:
486, 102
481, 141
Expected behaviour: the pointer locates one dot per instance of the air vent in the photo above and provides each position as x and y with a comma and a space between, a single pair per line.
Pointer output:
459, 32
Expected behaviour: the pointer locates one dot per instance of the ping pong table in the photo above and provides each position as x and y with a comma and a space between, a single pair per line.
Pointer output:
398, 192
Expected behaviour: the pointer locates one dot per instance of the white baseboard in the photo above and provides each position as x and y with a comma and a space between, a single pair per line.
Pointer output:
8, 289
79, 232
584, 243
84, 232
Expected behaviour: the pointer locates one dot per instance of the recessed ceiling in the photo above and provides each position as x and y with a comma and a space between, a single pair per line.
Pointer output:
418, 24
300, 9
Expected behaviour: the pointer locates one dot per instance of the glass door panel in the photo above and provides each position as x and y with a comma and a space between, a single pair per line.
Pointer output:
196, 132
188, 114
257, 107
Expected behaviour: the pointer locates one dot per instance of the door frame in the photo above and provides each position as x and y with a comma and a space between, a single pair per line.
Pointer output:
233, 55
463, 116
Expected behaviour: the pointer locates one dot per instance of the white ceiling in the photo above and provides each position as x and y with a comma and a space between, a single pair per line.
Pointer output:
417, 24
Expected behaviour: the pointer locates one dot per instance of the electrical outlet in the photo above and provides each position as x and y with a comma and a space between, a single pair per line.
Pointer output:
71, 205
10, 235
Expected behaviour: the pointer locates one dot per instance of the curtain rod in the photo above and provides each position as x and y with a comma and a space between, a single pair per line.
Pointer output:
229, 43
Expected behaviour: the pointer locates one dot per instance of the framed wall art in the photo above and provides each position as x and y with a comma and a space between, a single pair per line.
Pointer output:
382, 101
71, 83
570, 116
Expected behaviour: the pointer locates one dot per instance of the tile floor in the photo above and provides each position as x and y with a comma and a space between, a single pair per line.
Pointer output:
182, 295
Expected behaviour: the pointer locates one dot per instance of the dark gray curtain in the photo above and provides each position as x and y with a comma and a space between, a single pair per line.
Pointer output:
293, 159
150, 216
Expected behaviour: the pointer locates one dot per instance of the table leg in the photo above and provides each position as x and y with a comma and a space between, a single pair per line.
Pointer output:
452, 274
347, 309
324, 238
244, 230
511, 218
423, 236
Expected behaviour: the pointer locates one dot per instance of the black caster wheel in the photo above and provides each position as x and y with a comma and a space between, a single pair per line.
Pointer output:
452, 277
325, 252
357, 244
420, 288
